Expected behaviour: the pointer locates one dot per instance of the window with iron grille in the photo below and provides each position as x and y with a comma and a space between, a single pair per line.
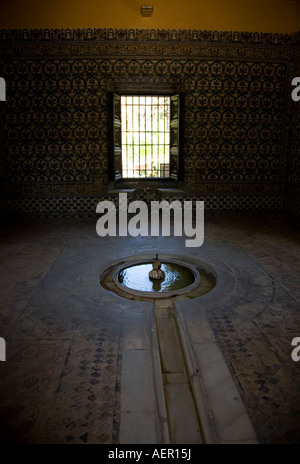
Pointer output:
145, 136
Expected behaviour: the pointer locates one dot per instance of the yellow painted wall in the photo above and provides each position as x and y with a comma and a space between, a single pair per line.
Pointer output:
225, 15
298, 16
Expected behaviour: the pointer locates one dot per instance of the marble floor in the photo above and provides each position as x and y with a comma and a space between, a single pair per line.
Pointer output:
64, 333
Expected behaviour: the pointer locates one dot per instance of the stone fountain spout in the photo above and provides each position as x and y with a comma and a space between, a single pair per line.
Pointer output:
156, 273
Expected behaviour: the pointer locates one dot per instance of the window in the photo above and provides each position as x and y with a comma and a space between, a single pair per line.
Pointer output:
145, 136
145, 132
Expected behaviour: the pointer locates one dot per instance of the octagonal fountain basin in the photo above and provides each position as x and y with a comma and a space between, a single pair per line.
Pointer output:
177, 278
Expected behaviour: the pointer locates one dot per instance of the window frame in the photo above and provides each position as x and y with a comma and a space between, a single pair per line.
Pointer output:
115, 137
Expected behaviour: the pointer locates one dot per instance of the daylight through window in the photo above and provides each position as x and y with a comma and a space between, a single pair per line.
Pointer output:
145, 136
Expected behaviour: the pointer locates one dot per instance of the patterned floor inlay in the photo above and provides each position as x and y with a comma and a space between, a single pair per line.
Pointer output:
61, 381
61, 392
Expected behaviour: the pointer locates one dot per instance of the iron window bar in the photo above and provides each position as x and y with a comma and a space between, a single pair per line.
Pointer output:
145, 136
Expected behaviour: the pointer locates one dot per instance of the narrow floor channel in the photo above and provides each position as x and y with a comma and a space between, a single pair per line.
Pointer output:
183, 421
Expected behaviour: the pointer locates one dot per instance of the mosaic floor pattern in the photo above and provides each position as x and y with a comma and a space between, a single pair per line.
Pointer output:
61, 380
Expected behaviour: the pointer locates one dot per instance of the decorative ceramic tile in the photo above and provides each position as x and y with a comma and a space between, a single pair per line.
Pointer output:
241, 134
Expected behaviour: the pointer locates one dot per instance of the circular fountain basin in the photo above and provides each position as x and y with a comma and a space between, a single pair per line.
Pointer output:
178, 278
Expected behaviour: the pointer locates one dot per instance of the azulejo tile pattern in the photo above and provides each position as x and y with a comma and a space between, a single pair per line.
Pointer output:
237, 114
294, 159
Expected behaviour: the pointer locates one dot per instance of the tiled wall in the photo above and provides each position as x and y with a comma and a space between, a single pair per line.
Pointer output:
238, 111
292, 202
